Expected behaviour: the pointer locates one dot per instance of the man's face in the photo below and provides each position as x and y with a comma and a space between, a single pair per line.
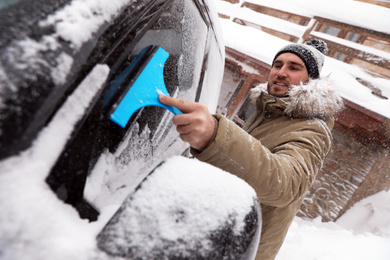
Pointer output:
287, 70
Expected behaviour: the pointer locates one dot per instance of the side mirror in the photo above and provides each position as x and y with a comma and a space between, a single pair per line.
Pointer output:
185, 209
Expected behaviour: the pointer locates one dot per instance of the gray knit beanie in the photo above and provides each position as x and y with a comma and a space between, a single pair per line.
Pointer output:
312, 53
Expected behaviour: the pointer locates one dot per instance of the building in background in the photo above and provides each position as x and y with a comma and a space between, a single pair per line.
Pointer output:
359, 163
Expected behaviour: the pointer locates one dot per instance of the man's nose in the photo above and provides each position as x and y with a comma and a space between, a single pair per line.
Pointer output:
282, 73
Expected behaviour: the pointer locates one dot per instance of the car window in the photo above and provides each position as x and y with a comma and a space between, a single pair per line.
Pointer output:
182, 31
32, 89
39, 66
5, 3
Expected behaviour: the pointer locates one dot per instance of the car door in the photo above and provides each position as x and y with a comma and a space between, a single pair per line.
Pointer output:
44, 64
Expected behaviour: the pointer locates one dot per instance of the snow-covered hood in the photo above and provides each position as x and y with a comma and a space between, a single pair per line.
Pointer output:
315, 99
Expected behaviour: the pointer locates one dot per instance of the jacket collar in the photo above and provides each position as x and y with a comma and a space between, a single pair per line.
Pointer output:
315, 99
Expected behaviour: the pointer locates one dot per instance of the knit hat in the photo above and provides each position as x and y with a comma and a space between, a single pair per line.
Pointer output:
312, 53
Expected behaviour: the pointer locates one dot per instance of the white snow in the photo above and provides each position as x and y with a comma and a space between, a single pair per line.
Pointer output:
346, 11
309, 240
200, 190
34, 223
37, 225
177, 206
77, 21
363, 232
271, 22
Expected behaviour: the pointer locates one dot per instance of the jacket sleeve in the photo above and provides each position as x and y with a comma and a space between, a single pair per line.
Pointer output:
280, 176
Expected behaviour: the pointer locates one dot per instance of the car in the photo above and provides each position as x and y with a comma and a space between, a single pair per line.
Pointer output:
72, 63
41, 66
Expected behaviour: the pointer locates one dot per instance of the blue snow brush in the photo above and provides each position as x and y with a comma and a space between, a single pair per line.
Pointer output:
145, 86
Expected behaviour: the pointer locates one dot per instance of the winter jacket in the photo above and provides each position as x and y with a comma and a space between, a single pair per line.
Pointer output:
289, 139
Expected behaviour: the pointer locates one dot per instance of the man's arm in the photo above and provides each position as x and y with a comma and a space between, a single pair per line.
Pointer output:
279, 176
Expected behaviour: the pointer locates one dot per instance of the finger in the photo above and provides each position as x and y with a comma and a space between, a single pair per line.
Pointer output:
183, 129
183, 119
183, 105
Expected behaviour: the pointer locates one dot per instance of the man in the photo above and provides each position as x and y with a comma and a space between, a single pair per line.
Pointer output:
284, 143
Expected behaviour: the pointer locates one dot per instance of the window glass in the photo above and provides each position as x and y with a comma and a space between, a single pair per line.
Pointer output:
5, 3
149, 136
331, 30
340, 56
353, 37
247, 108
235, 93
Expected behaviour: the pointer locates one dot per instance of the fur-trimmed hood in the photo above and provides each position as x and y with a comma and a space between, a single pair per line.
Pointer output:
315, 99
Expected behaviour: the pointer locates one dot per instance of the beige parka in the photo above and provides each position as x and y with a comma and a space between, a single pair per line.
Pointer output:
288, 141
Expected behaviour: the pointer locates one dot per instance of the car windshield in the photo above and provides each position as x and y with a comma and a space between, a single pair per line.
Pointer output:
5, 3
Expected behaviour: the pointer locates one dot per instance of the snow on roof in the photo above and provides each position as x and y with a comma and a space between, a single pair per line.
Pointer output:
270, 22
352, 45
346, 11
263, 46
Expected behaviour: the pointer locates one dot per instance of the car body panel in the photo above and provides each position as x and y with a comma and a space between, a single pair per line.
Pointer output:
42, 63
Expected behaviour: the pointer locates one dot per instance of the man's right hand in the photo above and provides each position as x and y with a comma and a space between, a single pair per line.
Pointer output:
196, 125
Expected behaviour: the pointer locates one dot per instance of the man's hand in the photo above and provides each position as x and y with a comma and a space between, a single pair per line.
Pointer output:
196, 125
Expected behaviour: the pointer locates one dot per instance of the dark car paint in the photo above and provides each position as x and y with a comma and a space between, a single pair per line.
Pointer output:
140, 24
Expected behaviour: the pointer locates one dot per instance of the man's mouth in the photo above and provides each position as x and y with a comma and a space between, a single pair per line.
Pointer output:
281, 84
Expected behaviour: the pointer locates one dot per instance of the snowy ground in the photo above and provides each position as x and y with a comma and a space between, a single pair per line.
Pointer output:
361, 233
37, 225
